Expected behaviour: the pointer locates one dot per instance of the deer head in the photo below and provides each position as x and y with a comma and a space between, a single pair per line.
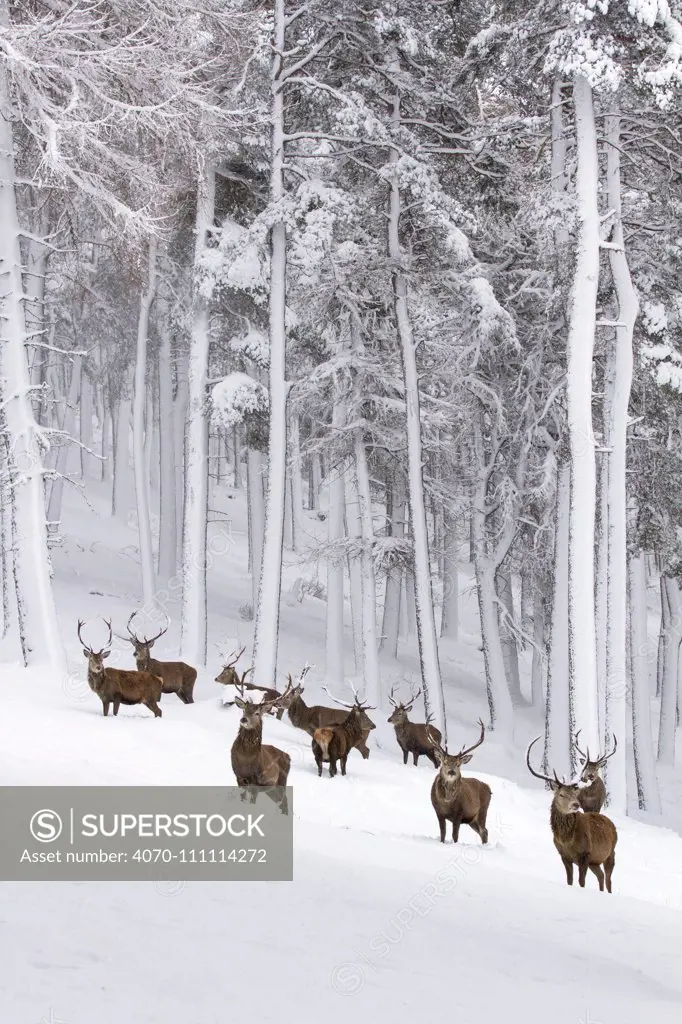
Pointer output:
142, 647
252, 713
399, 715
358, 709
96, 658
565, 793
228, 675
450, 765
591, 767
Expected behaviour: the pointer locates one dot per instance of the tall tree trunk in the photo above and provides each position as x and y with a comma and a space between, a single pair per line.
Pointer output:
267, 614
236, 459
582, 681
85, 423
121, 497
256, 502
394, 580
335, 523
296, 479
622, 358
38, 626
602, 576
557, 734
370, 640
668, 719
180, 416
168, 541
354, 532
508, 640
426, 624
144, 529
449, 623
54, 505
196, 449
648, 796
663, 634
539, 652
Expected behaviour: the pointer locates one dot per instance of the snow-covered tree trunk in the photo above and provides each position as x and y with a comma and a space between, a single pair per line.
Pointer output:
648, 796
662, 635
354, 532
266, 637
616, 441
426, 624
193, 645
602, 578
54, 505
85, 408
296, 478
236, 459
449, 623
180, 407
168, 541
106, 446
140, 465
669, 682
408, 602
394, 580
256, 503
335, 524
370, 639
121, 497
539, 655
557, 733
39, 631
509, 650
582, 681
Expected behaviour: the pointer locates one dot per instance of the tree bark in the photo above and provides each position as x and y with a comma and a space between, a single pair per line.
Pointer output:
557, 732
668, 712
394, 580
144, 529
449, 623
168, 524
335, 523
648, 796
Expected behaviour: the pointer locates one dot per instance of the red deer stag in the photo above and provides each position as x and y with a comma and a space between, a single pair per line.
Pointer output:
119, 686
580, 837
177, 677
412, 737
461, 801
311, 718
229, 677
255, 763
592, 793
334, 743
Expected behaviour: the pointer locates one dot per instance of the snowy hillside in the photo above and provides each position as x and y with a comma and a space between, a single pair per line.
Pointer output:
380, 920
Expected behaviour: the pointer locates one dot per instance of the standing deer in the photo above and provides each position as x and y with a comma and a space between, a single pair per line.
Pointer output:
253, 762
177, 677
592, 794
581, 837
461, 801
412, 737
334, 743
119, 686
311, 718
229, 677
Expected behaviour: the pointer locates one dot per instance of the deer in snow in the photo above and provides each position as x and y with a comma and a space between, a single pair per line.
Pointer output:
460, 801
229, 677
581, 837
178, 677
332, 743
412, 737
317, 716
253, 762
119, 686
592, 793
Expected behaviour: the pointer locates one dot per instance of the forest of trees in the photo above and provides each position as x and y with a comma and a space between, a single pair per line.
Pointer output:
429, 254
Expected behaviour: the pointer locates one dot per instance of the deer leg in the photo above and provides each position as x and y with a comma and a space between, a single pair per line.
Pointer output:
432, 759
343, 764
332, 767
596, 870
105, 706
568, 864
582, 871
153, 706
456, 822
608, 868
406, 754
415, 758
479, 829
364, 750
441, 825
117, 705
279, 714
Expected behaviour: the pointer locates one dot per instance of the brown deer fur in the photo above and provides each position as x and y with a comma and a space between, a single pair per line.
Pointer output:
311, 718
177, 677
120, 686
580, 837
592, 792
412, 737
228, 676
255, 763
334, 743
460, 801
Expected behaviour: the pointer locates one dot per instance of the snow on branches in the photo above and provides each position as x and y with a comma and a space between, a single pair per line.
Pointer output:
235, 397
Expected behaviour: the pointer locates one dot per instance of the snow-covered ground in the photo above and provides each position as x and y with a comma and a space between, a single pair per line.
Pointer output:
381, 920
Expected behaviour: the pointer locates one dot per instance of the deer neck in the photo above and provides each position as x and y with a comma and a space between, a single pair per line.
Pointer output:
563, 825
401, 728
447, 786
250, 741
95, 678
298, 712
353, 728
142, 662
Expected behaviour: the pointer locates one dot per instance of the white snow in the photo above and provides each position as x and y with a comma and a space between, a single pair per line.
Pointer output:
381, 921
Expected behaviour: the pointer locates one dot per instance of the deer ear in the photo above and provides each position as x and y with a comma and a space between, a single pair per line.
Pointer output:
239, 702
554, 786
106, 654
466, 759
437, 754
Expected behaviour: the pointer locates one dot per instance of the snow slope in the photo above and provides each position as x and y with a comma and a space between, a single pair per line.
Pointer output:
381, 920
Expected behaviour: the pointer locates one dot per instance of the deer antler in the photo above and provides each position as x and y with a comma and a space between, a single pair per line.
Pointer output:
245, 674
435, 742
304, 672
85, 646
583, 754
337, 701
235, 658
538, 775
604, 759
468, 750
408, 707
390, 697
151, 639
